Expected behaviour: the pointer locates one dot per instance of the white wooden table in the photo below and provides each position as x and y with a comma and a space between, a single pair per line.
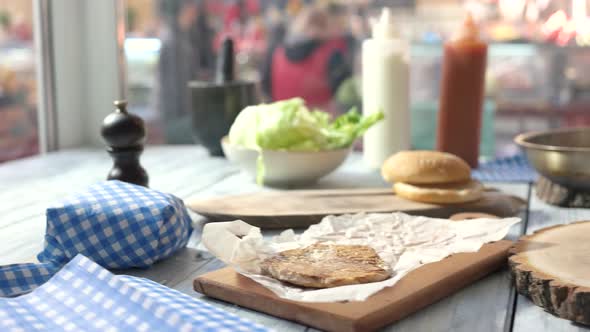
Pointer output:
28, 186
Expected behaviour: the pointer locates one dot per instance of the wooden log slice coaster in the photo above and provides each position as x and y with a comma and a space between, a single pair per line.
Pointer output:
555, 194
552, 268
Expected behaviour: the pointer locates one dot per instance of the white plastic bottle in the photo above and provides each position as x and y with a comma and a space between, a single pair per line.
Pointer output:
385, 81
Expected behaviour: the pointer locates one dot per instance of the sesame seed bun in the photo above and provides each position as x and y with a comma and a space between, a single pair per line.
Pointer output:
425, 167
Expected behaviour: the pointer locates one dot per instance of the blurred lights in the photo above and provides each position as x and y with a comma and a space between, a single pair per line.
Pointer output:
579, 10
142, 45
531, 13
558, 28
567, 33
511, 10
561, 29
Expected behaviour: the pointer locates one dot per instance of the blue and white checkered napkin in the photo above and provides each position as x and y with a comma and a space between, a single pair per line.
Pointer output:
85, 297
510, 169
116, 224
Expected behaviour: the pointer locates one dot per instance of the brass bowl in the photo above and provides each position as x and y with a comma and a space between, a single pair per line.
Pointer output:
562, 156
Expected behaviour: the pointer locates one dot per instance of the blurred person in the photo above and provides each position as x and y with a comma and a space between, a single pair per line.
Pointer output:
341, 18
276, 31
241, 22
18, 125
21, 30
5, 23
294, 7
359, 23
254, 36
185, 55
238, 12
202, 38
349, 91
235, 15
311, 63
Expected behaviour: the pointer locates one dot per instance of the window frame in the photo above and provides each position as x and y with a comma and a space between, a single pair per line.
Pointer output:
45, 83
80, 69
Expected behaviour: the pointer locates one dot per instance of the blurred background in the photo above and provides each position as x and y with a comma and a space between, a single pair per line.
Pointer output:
535, 78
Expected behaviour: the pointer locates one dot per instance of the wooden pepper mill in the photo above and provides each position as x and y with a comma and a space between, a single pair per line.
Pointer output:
124, 134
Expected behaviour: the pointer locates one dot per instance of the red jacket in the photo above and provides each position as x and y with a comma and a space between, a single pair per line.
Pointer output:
307, 78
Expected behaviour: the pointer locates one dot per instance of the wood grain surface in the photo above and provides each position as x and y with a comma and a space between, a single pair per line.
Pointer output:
301, 208
527, 315
550, 267
29, 185
413, 292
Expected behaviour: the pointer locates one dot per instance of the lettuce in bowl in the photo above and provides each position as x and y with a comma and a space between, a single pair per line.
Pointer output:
288, 125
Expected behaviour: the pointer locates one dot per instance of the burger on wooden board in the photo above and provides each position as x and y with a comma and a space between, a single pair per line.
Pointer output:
431, 177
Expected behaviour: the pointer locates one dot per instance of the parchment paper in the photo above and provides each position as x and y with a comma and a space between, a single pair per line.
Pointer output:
404, 242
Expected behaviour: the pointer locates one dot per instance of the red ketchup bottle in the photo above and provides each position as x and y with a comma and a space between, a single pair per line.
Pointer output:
462, 93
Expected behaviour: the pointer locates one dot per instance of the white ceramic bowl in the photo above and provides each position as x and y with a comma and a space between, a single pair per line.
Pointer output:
286, 168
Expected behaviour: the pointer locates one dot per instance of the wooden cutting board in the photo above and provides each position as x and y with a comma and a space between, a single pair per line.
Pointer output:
551, 267
418, 289
301, 208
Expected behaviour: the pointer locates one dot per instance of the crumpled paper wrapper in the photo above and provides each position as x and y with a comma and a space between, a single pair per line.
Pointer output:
404, 242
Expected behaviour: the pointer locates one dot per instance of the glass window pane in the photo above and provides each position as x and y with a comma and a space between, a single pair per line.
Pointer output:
310, 49
172, 42
18, 100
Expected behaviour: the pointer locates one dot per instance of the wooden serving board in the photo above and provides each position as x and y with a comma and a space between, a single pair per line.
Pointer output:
551, 267
418, 289
301, 208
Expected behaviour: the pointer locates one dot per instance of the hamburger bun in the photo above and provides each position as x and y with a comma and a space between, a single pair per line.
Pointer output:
440, 193
425, 167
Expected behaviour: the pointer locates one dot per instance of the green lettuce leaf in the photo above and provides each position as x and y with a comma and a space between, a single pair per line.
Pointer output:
289, 125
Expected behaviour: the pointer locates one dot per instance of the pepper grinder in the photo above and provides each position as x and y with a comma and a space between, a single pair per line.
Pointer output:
124, 134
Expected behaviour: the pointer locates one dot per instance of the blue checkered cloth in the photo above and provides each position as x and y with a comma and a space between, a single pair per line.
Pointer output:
83, 296
116, 224
510, 169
